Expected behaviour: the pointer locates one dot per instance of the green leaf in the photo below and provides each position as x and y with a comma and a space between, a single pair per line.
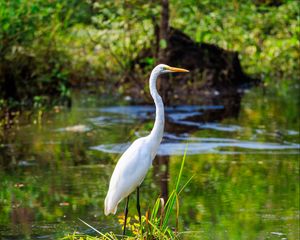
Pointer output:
163, 43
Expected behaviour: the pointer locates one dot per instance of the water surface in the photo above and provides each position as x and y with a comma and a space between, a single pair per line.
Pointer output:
55, 166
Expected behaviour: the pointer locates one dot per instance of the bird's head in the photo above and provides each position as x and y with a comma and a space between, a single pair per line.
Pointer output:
163, 68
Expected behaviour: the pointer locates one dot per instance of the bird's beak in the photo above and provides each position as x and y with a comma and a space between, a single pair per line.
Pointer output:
173, 69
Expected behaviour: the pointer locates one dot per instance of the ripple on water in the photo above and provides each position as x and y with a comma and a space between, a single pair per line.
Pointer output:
144, 111
110, 120
176, 145
75, 128
175, 114
178, 115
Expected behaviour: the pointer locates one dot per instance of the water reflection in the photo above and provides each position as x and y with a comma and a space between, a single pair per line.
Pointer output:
207, 145
160, 175
188, 119
181, 122
76, 128
244, 157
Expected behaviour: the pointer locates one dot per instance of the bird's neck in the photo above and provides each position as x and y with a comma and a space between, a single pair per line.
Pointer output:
158, 128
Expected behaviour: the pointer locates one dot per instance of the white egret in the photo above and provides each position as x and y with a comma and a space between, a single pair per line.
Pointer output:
133, 165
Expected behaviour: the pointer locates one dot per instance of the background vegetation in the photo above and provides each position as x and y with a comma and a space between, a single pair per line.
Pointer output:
48, 46
49, 174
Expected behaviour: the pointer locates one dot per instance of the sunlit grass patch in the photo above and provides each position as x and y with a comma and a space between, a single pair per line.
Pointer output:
154, 224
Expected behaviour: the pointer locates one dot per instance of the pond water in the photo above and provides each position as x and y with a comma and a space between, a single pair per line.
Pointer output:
243, 152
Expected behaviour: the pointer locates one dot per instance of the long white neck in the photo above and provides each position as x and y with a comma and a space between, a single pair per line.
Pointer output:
158, 128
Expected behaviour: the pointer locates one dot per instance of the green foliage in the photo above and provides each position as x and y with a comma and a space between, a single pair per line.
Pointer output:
266, 36
53, 45
32, 65
123, 30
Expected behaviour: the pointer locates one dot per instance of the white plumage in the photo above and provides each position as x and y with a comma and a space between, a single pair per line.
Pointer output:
135, 162
129, 173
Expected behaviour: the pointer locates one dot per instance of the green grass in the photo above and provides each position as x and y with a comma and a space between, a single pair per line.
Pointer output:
155, 225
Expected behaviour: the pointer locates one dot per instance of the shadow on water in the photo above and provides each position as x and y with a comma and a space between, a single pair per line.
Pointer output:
243, 154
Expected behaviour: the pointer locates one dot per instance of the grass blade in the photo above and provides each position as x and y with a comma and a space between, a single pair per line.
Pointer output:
103, 235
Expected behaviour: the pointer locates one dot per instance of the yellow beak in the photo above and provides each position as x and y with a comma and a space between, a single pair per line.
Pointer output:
173, 69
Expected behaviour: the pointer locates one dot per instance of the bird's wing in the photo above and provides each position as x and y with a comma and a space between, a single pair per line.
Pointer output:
133, 165
129, 173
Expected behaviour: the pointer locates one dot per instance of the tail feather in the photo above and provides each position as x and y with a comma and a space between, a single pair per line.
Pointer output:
110, 204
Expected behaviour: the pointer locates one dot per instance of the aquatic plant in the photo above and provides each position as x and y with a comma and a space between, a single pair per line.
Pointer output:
155, 223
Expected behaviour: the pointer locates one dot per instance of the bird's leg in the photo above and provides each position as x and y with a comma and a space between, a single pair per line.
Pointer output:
125, 213
138, 204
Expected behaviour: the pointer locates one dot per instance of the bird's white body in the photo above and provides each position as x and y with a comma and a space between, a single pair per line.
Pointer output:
135, 162
129, 173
